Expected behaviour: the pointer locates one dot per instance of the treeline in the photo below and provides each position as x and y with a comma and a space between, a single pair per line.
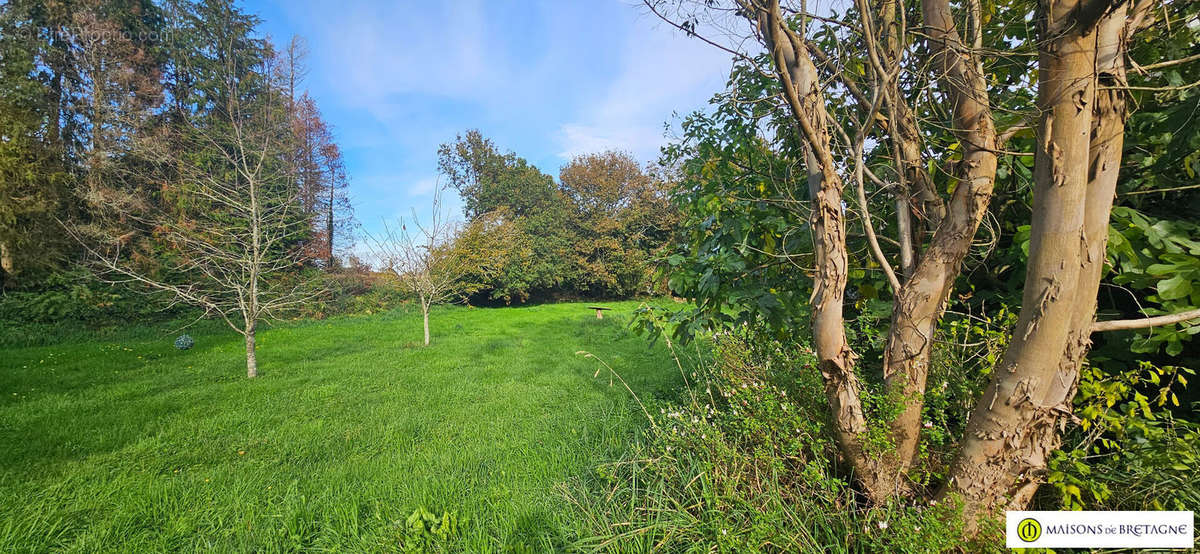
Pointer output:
114, 112
595, 233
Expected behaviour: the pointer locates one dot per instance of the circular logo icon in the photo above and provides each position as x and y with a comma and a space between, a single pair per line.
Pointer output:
1029, 529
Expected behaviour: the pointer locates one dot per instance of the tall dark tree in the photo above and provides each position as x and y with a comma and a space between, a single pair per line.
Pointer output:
34, 178
68, 67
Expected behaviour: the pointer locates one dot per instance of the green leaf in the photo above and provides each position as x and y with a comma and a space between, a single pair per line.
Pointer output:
1174, 288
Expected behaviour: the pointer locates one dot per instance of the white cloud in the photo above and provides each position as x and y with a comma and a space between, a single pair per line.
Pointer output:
661, 71
627, 136
383, 51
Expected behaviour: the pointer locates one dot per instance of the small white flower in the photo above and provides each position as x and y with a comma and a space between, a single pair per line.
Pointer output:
883, 525
933, 502
928, 425
724, 531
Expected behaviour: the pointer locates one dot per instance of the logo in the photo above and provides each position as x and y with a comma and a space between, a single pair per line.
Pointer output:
1099, 529
1029, 529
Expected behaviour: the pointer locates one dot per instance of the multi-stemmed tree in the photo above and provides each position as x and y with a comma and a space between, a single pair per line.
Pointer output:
871, 96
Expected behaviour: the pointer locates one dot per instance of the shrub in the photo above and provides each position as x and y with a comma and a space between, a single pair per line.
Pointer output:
1129, 451
76, 296
349, 292
745, 461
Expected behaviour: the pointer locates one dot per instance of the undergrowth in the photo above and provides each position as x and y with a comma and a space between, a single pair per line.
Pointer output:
744, 462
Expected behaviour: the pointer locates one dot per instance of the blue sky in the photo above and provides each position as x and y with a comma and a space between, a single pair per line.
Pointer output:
547, 80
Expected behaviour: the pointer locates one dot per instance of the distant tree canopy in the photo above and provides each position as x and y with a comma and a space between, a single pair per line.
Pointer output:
594, 233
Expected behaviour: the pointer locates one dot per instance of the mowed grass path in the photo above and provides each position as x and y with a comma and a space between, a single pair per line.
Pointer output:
131, 445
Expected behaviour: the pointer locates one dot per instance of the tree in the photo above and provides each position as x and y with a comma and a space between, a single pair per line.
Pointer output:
595, 232
336, 213
488, 182
424, 259
622, 218
207, 39
34, 179
856, 100
292, 69
234, 237
323, 183
1082, 58
487, 179
472, 163
66, 67
490, 246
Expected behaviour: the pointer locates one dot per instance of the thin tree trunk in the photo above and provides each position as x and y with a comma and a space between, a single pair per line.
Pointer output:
57, 64
920, 188
251, 354
255, 264
1014, 427
905, 234
329, 223
425, 314
917, 187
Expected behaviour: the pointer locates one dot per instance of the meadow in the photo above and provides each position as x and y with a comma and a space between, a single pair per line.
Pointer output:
353, 438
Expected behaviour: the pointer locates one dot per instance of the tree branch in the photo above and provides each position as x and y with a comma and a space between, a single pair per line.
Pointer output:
1145, 323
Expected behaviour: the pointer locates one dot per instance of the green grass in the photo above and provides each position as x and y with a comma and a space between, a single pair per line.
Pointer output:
123, 443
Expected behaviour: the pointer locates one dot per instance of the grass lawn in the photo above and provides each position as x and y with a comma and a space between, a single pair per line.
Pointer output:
131, 445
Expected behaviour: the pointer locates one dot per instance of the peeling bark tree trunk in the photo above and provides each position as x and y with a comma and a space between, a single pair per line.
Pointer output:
835, 358
1015, 426
921, 302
